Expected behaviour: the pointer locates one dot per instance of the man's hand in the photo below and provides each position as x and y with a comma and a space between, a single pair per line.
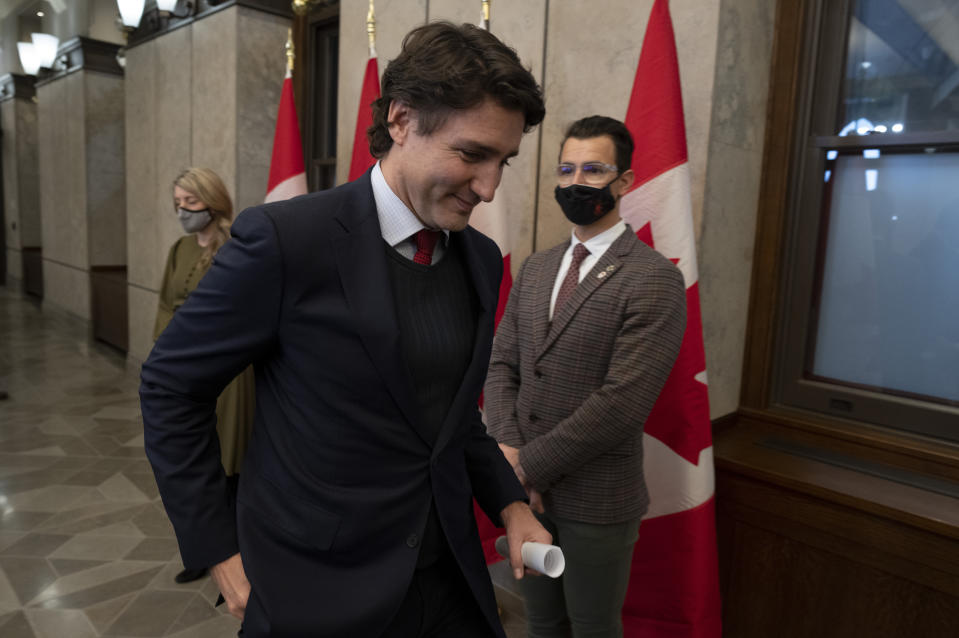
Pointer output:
512, 455
536, 501
521, 527
234, 586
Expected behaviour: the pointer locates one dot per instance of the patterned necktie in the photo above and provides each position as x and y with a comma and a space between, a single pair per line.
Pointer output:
572, 277
425, 243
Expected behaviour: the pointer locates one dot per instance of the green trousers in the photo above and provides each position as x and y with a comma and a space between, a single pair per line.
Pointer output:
587, 600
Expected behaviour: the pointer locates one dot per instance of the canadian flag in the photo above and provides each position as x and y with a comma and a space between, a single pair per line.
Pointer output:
287, 175
362, 159
674, 583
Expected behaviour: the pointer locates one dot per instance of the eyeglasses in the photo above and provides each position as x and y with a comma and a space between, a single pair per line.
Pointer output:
594, 173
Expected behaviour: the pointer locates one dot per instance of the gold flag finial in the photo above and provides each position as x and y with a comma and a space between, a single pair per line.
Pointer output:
486, 14
290, 54
371, 29
301, 7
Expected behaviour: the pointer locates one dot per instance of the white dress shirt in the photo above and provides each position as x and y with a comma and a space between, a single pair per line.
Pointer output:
596, 246
398, 224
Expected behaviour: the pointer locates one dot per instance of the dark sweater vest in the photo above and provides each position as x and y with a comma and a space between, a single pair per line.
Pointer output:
437, 309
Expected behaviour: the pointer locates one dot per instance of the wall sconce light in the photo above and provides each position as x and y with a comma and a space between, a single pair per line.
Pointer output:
45, 48
130, 12
29, 59
169, 7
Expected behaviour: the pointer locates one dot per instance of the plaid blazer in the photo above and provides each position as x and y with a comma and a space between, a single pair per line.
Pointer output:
573, 394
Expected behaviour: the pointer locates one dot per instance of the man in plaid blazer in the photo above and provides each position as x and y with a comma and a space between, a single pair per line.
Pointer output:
590, 334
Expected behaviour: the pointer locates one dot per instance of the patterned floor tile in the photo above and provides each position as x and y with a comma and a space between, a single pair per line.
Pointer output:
55, 498
97, 547
9, 601
197, 611
219, 627
38, 545
128, 573
164, 549
9, 538
95, 595
86, 549
27, 576
103, 615
152, 613
16, 625
67, 566
94, 517
13, 520
119, 488
59, 623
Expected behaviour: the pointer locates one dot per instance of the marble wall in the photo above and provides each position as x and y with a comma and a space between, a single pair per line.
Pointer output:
81, 176
28, 172
202, 95
63, 181
585, 56
21, 214
734, 164
261, 56
105, 188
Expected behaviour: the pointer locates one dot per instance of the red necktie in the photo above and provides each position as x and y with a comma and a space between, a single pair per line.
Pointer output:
572, 277
425, 243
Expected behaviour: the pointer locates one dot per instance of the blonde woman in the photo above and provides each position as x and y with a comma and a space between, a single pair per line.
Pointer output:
205, 210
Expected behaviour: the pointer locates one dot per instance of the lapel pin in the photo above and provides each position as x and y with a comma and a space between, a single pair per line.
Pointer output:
603, 273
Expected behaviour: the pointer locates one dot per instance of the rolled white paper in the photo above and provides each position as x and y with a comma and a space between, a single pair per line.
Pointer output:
546, 559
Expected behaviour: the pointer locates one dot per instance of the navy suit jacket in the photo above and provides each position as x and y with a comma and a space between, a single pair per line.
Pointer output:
339, 477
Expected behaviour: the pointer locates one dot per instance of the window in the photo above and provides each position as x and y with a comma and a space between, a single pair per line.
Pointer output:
871, 324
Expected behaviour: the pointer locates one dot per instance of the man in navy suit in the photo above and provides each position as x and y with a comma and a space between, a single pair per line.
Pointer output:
367, 311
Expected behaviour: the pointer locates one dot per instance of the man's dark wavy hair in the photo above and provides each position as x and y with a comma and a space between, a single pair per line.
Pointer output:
444, 68
599, 125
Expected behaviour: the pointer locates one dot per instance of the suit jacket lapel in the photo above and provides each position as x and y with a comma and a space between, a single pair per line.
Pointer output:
543, 293
479, 278
363, 269
604, 270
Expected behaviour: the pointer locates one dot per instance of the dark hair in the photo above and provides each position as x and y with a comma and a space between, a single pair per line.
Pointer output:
443, 67
599, 125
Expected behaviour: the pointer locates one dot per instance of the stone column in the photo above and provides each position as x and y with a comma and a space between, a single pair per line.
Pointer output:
80, 145
202, 94
21, 194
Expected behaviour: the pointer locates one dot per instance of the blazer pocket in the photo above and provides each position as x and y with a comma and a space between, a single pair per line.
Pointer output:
297, 516
255, 622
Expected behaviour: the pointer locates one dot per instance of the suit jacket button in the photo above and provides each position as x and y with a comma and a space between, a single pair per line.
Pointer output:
412, 541
538, 374
533, 418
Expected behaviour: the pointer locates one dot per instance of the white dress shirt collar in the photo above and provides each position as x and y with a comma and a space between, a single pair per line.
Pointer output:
600, 243
597, 247
397, 222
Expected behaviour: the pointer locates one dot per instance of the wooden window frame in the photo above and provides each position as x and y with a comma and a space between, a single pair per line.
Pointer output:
790, 119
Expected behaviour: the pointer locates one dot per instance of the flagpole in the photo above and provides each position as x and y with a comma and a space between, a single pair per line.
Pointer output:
290, 53
361, 159
484, 16
371, 29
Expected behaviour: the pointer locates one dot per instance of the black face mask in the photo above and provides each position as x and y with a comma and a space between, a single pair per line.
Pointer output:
583, 205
